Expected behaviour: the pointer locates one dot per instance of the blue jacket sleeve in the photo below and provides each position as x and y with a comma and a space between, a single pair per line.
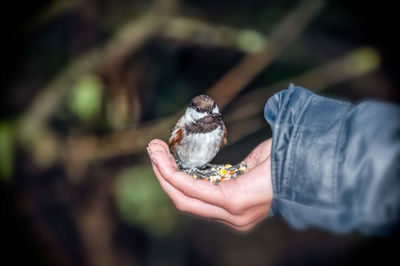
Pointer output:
335, 165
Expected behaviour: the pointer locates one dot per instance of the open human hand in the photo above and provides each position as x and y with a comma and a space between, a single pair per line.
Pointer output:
240, 203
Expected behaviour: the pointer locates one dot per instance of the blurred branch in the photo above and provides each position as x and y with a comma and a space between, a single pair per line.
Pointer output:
285, 32
183, 29
94, 220
82, 149
127, 40
240, 129
245, 118
248, 108
355, 64
223, 92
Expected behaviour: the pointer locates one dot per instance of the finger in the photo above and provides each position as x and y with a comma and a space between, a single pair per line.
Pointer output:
249, 220
247, 227
259, 154
233, 196
166, 147
197, 207
194, 206
251, 189
199, 189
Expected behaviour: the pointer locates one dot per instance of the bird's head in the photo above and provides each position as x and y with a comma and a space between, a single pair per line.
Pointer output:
202, 106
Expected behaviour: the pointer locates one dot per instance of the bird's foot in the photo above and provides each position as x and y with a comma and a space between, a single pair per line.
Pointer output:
204, 173
216, 173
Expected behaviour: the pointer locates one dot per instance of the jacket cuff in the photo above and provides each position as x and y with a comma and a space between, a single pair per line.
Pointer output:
306, 132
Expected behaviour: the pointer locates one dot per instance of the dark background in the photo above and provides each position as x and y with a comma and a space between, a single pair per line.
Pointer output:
55, 213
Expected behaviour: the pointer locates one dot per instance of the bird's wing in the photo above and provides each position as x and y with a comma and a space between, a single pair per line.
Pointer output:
224, 140
174, 129
176, 138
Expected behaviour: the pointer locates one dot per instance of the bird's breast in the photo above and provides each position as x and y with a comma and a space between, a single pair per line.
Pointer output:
197, 149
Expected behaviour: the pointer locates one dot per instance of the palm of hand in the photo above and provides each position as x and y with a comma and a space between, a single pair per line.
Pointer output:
240, 203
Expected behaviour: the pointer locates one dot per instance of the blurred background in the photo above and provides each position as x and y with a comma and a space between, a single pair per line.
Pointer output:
87, 84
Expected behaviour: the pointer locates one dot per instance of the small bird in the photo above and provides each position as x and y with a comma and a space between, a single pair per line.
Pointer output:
198, 135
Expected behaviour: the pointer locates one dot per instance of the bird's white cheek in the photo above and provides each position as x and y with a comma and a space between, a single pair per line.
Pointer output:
215, 110
192, 115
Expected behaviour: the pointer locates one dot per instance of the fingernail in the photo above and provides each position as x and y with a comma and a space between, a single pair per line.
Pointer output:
149, 149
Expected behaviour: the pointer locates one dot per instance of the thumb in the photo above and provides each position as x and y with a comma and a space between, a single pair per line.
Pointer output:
259, 154
159, 153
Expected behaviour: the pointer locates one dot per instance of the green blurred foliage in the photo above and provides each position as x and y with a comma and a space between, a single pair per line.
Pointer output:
86, 97
6, 150
365, 60
250, 40
142, 202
